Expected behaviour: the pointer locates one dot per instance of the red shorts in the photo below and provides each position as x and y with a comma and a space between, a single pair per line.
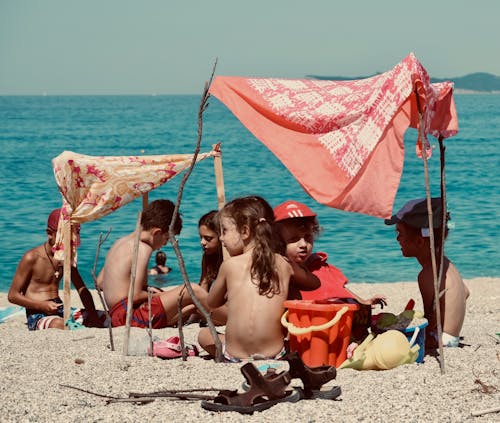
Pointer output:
140, 315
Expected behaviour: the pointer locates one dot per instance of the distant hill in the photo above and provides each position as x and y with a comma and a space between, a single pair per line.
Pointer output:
478, 82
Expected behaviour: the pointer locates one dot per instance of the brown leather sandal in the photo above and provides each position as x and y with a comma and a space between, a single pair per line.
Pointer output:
263, 392
313, 378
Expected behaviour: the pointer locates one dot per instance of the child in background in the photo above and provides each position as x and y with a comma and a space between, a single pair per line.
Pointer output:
412, 227
208, 228
253, 282
160, 268
297, 227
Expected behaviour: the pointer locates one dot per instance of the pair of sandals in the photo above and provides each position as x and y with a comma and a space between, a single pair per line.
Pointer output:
262, 391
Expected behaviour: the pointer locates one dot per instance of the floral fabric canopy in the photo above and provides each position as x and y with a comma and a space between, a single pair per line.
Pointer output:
93, 187
343, 140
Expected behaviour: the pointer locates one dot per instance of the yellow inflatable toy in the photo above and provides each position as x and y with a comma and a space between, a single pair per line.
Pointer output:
385, 351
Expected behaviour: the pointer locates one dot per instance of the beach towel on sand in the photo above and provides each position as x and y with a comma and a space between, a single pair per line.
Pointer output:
8, 312
342, 140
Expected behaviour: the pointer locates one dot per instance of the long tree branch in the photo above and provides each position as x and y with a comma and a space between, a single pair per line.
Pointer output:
203, 105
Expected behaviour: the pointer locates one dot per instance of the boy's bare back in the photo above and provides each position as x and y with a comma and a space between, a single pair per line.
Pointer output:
253, 325
117, 269
454, 298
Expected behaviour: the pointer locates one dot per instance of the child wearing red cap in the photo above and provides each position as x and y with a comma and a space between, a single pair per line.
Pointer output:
297, 225
35, 285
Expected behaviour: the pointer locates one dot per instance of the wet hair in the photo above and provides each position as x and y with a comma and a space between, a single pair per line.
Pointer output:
161, 258
159, 214
210, 263
256, 213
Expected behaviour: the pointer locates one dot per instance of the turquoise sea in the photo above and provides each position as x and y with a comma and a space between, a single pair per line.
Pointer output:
35, 129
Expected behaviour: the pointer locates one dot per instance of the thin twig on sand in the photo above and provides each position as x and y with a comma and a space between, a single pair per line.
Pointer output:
102, 239
487, 411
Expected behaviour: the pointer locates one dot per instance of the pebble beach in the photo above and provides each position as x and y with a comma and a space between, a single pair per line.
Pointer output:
61, 376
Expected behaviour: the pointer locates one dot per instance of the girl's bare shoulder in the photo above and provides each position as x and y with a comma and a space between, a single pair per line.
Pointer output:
282, 262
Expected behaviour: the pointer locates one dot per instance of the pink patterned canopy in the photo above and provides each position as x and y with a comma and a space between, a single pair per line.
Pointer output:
93, 187
343, 140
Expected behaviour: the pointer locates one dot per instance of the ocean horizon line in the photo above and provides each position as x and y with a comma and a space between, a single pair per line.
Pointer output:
457, 91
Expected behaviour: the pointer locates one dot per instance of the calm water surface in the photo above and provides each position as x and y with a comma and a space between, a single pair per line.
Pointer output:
34, 130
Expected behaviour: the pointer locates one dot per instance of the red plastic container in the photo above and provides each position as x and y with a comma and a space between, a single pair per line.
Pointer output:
320, 332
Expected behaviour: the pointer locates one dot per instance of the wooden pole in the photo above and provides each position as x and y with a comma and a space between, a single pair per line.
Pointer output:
150, 323
442, 149
219, 185
171, 233
67, 273
425, 143
130, 300
101, 241
219, 176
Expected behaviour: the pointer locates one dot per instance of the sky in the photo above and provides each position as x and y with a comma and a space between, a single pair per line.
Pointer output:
170, 47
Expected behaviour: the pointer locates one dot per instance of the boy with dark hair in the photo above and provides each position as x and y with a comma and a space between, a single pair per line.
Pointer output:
412, 228
35, 285
114, 279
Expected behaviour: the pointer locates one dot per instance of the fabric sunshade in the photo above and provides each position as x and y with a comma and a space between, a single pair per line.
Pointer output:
343, 140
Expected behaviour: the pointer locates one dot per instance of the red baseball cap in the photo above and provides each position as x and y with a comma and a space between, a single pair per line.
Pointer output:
292, 209
53, 219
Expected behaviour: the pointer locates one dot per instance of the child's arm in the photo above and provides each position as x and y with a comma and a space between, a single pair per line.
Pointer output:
92, 319
217, 294
303, 279
376, 299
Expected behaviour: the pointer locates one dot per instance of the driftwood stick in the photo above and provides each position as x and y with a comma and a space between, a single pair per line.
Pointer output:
83, 338
173, 391
102, 239
487, 411
203, 105
142, 400
87, 391
147, 399
180, 325
68, 262
219, 176
130, 299
425, 143
219, 185
444, 213
150, 323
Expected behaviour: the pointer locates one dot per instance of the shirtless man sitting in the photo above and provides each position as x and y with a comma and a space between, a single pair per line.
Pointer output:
114, 279
35, 285
412, 227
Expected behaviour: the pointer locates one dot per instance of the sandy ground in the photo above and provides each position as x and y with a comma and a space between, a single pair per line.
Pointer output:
35, 366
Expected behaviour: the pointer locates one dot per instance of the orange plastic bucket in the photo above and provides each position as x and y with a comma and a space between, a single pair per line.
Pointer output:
320, 333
